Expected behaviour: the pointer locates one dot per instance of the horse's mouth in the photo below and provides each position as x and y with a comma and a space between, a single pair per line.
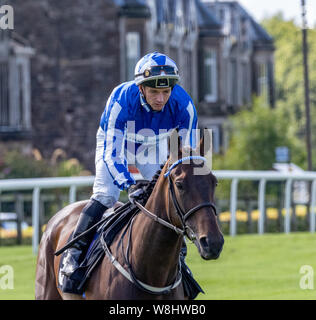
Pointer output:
208, 252
207, 256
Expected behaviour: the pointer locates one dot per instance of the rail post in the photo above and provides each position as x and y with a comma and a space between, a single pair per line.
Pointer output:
35, 218
233, 206
312, 208
287, 205
261, 205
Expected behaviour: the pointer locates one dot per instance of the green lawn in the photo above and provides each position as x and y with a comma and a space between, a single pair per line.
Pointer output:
23, 262
250, 267
257, 267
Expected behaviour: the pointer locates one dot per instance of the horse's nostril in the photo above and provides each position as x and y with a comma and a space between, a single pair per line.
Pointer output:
204, 242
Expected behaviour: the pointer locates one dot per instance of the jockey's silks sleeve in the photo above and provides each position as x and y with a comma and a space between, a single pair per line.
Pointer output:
126, 109
114, 125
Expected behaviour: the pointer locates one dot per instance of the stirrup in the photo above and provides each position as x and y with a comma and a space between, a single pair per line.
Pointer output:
71, 261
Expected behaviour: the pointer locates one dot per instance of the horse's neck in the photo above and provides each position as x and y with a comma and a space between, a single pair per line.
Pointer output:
158, 247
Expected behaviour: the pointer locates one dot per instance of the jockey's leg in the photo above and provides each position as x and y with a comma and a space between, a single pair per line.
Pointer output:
105, 195
89, 216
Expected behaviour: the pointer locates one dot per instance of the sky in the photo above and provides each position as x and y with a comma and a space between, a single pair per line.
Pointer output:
290, 8
260, 9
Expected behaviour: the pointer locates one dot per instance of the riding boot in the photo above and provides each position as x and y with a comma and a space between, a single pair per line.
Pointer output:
90, 215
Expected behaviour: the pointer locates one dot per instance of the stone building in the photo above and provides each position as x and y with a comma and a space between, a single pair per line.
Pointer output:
83, 49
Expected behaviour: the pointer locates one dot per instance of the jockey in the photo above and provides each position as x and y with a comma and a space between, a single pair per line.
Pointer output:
138, 117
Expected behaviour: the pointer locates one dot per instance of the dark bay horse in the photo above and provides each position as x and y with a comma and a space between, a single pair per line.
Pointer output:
181, 203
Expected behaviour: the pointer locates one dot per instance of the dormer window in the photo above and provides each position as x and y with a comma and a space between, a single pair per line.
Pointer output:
225, 17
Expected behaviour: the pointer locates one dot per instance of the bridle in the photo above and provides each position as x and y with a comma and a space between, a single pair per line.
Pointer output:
184, 231
184, 216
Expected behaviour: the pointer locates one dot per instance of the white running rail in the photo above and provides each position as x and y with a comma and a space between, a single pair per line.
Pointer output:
73, 183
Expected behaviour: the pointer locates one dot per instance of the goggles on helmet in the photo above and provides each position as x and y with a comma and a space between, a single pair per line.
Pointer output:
158, 70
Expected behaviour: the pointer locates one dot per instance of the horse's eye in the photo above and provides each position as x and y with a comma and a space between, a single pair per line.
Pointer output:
179, 185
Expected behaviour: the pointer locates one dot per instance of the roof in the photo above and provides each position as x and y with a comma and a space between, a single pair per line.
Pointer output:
208, 23
133, 8
257, 33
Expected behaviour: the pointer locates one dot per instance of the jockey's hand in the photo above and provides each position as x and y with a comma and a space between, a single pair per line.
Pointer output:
136, 192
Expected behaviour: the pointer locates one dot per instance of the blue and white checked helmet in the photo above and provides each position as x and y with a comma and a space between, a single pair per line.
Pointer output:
156, 70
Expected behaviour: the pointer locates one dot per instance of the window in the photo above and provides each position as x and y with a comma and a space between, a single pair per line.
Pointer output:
14, 99
245, 84
4, 95
21, 118
179, 18
2, 35
263, 81
132, 53
233, 83
186, 73
210, 75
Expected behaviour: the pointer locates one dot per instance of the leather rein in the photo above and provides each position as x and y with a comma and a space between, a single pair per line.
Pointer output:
184, 216
184, 231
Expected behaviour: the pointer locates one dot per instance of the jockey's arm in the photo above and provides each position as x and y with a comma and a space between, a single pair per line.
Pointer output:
114, 155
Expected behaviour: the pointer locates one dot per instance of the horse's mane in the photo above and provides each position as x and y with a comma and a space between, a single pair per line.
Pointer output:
148, 189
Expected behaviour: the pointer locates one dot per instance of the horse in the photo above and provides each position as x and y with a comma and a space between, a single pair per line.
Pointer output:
145, 264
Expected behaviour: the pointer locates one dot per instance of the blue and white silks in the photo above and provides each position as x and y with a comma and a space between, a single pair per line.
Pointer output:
133, 133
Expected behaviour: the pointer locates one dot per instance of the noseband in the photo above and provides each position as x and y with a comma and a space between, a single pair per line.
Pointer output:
184, 216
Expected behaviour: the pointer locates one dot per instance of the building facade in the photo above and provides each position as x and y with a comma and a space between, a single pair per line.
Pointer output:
70, 56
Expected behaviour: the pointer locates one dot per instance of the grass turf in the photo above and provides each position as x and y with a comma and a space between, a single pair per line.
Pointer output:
250, 267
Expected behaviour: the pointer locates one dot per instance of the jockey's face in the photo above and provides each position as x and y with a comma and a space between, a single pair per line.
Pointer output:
156, 98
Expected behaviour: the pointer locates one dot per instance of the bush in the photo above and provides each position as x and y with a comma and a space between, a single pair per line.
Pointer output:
17, 165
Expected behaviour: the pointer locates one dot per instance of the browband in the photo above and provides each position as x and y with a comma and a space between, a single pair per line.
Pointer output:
181, 160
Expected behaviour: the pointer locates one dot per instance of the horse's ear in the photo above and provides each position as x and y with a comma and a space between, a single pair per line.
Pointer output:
206, 142
174, 144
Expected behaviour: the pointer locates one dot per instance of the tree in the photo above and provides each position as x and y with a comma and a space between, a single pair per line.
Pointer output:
255, 134
289, 75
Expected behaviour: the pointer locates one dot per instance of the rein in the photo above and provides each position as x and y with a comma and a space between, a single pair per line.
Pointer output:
184, 216
184, 231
